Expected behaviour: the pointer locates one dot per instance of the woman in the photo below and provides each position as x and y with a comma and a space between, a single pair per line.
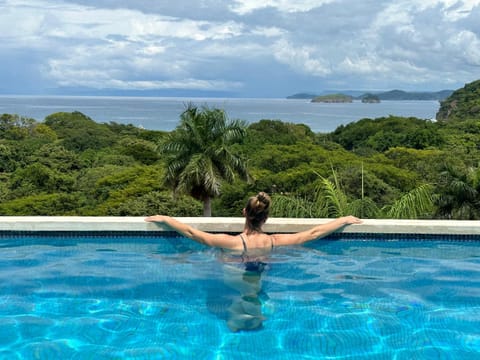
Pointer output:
245, 312
256, 214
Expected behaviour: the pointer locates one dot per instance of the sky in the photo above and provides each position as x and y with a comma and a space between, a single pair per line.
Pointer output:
236, 48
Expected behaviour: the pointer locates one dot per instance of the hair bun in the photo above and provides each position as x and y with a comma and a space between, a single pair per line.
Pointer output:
263, 198
256, 210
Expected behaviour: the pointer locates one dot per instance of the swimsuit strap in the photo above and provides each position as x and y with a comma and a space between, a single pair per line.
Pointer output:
244, 243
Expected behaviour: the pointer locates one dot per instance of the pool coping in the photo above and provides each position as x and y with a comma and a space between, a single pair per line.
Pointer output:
232, 225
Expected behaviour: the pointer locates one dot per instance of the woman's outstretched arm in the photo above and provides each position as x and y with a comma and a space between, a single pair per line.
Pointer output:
316, 232
202, 237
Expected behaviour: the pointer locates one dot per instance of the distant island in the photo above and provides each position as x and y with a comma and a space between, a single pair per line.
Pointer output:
370, 99
386, 95
333, 98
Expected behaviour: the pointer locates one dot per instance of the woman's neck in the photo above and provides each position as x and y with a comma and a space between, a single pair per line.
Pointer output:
249, 230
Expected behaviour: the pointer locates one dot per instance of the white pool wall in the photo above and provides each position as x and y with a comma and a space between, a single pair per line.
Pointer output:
232, 225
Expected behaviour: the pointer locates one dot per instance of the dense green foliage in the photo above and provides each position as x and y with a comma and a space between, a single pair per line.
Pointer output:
386, 167
384, 133
71, 165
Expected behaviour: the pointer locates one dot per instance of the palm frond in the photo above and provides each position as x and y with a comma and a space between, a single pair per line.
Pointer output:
332, 198
413, 205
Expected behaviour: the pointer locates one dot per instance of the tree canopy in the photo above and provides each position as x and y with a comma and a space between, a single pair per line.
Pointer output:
385, 167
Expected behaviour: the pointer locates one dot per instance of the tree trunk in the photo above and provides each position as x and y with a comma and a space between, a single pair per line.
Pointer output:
207, 207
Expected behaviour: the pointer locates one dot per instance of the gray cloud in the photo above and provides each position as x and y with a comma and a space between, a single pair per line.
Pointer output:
244, 47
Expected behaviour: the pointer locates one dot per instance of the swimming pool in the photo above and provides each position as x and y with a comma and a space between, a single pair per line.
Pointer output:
155, 296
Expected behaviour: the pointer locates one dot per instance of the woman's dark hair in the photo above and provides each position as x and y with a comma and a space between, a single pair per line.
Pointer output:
257, 209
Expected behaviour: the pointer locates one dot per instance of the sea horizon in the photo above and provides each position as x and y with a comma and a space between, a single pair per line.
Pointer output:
163, 112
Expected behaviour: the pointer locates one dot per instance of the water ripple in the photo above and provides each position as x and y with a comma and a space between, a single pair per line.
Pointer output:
134, 301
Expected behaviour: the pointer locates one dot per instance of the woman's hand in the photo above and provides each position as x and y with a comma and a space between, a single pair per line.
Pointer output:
156, 218
348, 220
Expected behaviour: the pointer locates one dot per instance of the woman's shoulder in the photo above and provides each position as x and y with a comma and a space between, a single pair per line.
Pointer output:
228, 241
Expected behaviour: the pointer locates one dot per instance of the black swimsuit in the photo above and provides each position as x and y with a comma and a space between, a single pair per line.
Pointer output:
255, 266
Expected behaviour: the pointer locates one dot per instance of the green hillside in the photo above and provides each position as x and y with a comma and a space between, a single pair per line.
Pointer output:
463, 104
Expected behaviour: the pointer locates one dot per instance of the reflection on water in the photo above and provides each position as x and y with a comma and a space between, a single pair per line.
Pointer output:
245, 312
242, 291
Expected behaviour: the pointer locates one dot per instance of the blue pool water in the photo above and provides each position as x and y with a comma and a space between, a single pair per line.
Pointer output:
152, 297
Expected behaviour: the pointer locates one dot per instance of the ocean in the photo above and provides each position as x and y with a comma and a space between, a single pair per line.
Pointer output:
163, 113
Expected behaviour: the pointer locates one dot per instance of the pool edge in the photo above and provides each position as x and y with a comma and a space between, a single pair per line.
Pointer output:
232, 225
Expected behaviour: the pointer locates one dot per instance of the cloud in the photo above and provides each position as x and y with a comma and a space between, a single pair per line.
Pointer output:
106, 48
233, 45
467, 44
302, 59
243, 7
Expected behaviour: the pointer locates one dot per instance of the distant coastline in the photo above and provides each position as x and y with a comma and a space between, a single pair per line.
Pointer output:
396, 95
163, 113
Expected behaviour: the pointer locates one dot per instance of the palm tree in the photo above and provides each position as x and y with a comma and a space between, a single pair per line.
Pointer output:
199, 154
